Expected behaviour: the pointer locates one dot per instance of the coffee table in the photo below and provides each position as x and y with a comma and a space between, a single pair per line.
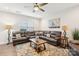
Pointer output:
39, 44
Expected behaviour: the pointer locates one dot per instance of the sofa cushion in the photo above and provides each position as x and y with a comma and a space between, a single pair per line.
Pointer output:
18, 36
31, 33
56, 33
48, 35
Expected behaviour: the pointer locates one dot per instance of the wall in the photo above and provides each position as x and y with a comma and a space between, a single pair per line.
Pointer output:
44, 25
16, 20
69, 17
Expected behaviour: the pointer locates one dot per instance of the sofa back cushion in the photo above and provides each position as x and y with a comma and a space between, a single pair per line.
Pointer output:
57, 33
31, 33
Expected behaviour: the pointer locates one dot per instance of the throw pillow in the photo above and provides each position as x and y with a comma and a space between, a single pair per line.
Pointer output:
48, 35
18, 36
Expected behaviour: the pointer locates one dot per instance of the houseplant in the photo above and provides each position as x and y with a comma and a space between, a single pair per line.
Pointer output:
75, 35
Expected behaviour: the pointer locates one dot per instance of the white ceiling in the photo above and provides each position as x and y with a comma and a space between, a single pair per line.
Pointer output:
50, 8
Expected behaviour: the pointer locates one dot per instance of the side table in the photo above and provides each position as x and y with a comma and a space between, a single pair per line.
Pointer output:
64, 42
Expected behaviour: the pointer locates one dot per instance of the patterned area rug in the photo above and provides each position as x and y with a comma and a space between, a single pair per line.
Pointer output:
26, 50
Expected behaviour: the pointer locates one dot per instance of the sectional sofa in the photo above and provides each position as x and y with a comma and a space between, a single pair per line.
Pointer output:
23, 37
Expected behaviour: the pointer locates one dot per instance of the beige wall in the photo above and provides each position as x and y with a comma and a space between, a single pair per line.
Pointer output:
69, 17
16, 20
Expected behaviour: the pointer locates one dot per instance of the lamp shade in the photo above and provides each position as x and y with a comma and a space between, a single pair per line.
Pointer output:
8, 26
65, 28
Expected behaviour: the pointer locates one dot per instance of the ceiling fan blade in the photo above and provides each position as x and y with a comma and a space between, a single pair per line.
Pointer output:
43, 4
42, 9
39, 6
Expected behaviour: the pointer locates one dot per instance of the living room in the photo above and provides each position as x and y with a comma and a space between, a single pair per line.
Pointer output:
51, 24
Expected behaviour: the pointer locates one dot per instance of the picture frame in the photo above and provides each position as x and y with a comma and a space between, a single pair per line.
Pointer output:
54, 23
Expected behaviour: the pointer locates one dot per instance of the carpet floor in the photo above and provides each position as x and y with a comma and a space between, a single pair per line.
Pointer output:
26, 50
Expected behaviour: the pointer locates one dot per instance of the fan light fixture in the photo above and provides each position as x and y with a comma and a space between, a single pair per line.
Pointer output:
36, 8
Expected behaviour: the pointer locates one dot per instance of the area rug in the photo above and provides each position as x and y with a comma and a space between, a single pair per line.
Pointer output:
26, 50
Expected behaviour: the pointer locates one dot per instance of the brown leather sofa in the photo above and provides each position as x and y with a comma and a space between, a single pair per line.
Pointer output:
54, 37
25, 36
74, 49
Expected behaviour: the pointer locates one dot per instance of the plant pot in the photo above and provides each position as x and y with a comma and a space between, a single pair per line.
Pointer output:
75, 42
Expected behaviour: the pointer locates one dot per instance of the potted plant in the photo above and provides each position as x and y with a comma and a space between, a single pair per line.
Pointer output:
75, 35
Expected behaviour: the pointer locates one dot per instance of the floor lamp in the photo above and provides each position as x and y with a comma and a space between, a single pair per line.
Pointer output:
64, 29
8, 28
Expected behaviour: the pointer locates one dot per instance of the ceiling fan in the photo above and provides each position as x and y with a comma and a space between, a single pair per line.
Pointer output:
38, 6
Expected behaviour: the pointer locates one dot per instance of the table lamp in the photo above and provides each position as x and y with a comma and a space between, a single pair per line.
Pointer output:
8, 27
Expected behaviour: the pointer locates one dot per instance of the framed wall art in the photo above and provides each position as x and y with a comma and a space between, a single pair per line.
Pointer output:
54, 23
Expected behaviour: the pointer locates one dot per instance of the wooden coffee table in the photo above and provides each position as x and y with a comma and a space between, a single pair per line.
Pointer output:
38, 43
